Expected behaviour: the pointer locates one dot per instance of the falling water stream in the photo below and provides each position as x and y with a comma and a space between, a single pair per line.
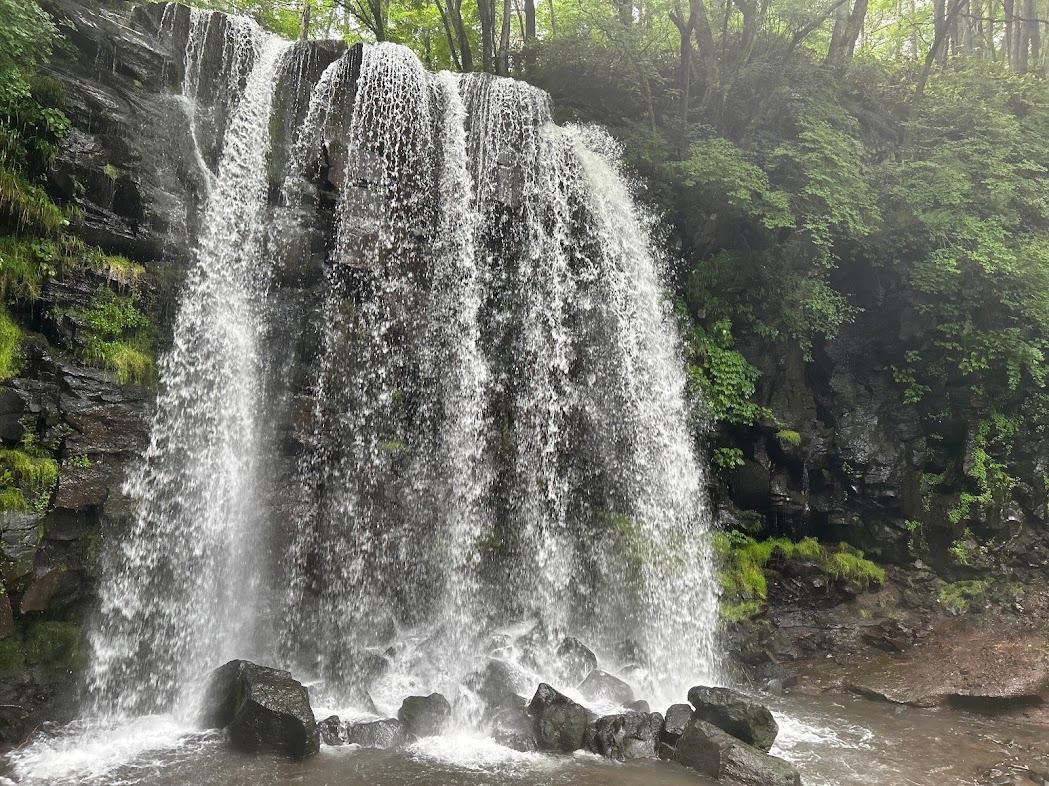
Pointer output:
495, 448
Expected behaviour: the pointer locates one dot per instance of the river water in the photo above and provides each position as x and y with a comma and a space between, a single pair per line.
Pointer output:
834, 740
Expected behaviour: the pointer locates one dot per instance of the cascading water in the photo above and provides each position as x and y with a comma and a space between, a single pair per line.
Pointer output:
500, 435
181, 588
493, 451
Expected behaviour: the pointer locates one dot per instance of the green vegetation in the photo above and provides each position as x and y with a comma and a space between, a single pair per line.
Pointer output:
743, 562
958, 598
121, 337
28, 476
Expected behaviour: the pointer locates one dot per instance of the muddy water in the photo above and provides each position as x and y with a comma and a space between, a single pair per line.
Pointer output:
835, 740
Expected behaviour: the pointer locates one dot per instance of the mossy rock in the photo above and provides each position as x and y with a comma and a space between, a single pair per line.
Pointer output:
55, 649
12, 656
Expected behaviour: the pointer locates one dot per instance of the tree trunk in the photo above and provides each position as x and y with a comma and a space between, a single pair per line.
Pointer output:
529, 34
938, 45
304, 30
486, 16
503, 64
847, 29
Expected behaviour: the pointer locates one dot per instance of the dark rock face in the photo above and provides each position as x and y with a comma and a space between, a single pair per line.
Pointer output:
576, 660
632, 735
601, 686
560, 724
263, 709
736, 714
382, 734
424, 716
711, 752
510, 724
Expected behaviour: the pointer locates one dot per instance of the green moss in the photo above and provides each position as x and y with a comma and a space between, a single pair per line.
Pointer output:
788, 437
10, 344
111, 171
56, 647
121, 337
27, 477
743, 562
852, 569
28, 207
12, 655
958, 597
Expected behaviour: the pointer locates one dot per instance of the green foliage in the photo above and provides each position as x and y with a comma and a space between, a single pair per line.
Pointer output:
10, 343
718, 165
27, 207
120, 338
720, 377
28, 476
743, 560
789, 438
727, 458
960, 596
26, 37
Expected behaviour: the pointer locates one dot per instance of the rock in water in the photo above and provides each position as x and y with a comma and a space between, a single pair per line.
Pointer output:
499, 680
332, 731
388, 733
510, 724
631, 735
263, 709
577, 660
601, 686
733, 712
560, 724
674, 722
424, 716
711, 752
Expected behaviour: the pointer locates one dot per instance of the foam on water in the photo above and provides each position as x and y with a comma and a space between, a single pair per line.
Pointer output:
89, 751
480, 753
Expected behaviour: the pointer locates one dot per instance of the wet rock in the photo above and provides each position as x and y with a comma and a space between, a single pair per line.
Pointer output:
716, 754
638, 706
601, 686
630, 735
500, 680
511, 725
424, 716
383, 734
735, 713
576, 660
976, 669
332, 730
263, 709
674, 722
560, 724
15, 724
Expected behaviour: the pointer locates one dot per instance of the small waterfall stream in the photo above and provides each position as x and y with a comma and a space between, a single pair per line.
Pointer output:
181, 588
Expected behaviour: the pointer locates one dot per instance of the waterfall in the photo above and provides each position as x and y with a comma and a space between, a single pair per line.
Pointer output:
500, 439
180, 591
495, 442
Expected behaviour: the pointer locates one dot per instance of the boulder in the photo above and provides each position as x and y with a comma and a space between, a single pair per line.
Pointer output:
510, 724
630, 735
499, 680
576, 660
332, 731
560, 724
424, 716
263, 709
735, 713
674, 722
601, 686
638, 706
728, 760
387, 733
